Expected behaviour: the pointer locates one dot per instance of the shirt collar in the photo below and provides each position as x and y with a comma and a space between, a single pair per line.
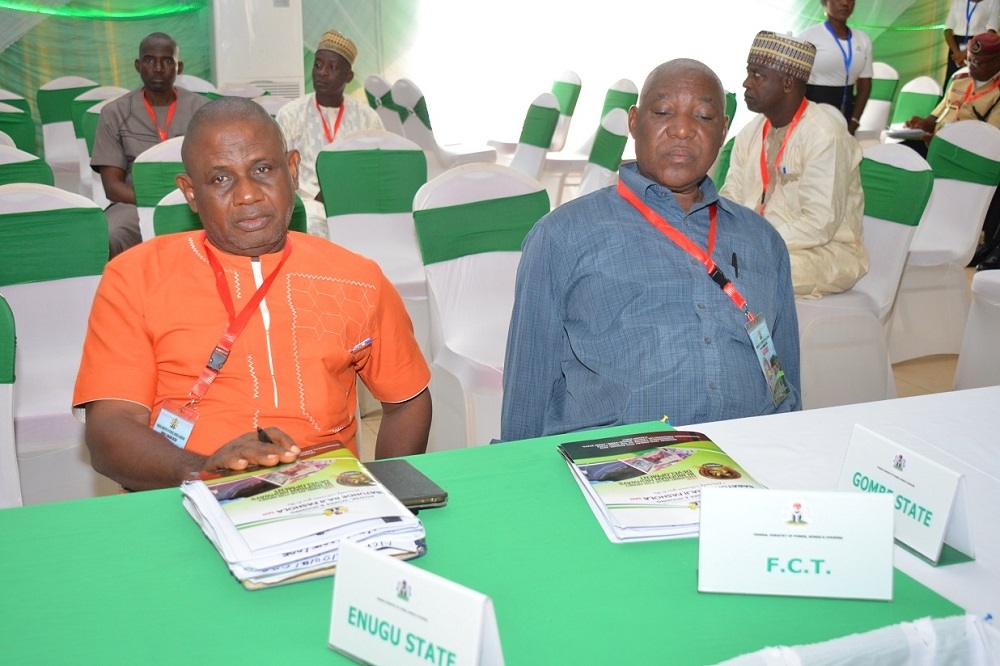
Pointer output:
644, 188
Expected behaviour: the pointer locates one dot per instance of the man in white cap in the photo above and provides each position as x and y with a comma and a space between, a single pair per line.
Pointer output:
315, 120
797, 165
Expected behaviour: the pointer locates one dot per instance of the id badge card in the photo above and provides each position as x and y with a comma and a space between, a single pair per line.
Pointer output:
767, 356
175, 422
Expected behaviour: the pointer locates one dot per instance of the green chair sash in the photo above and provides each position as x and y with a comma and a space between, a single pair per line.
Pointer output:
18, 103
420, 111
494, 225
55, 106
154, 180
386, 101
616, 99
730, 106
21, 128
894, 194
911, 104
52, 245
179, 217
950, 161
89, 125
30, 171
567, 95
7, 343
539, 126
722, 164
884, 89
370, 181
608, 149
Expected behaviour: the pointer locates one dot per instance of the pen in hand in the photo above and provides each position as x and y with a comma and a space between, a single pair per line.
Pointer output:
262, 436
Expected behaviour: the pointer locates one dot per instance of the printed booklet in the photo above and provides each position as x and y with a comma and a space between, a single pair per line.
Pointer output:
281, 524
648, 486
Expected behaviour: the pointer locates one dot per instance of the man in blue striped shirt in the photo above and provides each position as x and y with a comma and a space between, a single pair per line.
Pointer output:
647, 300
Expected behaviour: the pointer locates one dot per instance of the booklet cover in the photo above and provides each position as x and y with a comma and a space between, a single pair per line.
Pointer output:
278, 523
648, 486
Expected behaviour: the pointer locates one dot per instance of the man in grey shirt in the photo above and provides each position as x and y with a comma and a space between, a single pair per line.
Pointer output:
135, 122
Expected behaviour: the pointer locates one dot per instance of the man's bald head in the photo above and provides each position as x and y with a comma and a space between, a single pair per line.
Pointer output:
677, 69
226, 110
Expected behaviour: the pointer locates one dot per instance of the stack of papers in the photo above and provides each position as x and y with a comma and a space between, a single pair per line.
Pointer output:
282, 524
648, 486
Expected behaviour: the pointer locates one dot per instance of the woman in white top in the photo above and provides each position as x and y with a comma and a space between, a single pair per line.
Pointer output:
842, 73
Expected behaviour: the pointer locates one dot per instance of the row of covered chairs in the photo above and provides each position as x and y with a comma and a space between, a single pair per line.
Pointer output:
915, 299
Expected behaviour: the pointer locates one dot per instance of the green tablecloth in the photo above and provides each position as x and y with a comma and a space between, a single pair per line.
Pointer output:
132, 579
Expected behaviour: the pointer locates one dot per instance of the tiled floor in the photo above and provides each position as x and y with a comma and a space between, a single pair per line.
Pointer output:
932, 374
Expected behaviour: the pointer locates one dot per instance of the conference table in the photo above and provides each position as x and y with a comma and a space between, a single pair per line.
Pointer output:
132, 578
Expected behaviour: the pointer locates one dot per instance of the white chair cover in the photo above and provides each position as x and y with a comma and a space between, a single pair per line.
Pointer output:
536, 136
566, 89
359, 218
58, 137
152, 178
379, 94
90, 119
10, 480
979, 357
194, 84
471, 298
875, 117
417, 128
93, 96
606, 155
933, 301
272, 103
51, 316
843, 347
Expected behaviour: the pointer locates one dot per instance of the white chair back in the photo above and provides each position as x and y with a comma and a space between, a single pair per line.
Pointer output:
875, 117
369, 179
888, 242
153, 173
10, 479
55, 111
470, 224
566, 89
536, 136
978, 360
194, 84
417, 128
81, 103
272, 103
89, 122
379, 94
606, 155
50, 299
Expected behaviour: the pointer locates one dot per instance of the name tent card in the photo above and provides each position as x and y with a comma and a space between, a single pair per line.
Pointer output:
924, 493
386, 611
795, 543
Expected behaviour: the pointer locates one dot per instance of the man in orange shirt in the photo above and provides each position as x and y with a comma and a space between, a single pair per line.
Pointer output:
286, 321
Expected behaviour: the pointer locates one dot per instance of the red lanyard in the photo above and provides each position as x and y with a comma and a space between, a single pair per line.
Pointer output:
686, 244
765, 172
326, 126
236, 323
969, 97
162, 131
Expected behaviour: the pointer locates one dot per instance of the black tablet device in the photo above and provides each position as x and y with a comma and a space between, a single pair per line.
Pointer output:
408, 483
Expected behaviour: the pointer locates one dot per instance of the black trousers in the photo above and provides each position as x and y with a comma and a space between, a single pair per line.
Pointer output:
834, 96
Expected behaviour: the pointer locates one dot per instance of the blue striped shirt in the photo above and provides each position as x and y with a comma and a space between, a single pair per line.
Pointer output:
613, 323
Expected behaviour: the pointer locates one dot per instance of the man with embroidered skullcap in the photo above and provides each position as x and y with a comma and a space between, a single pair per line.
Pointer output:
317, 119
797, 165
972, 96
